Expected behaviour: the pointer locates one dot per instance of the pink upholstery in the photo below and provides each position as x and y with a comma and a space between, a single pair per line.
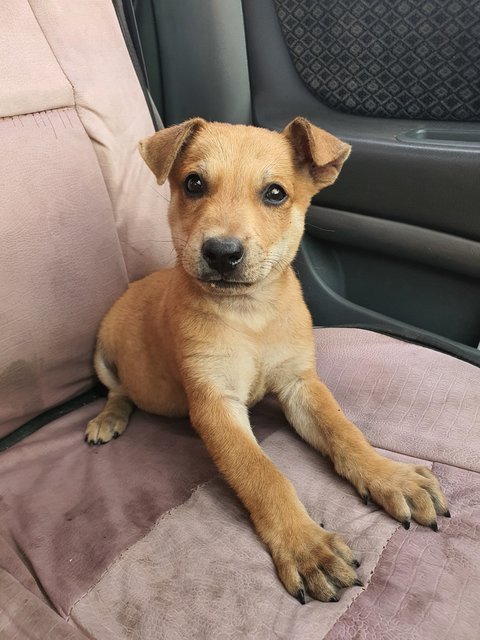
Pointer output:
202, 573
23, 616
424, 588
31, 79
57, 280
86, 39
80, 212
68, 510
111, 536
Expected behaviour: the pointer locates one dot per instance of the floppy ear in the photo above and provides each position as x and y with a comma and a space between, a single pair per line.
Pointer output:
160, 150
321, 152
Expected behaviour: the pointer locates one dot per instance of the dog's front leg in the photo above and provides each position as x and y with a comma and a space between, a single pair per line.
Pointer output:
300, 548
403, 490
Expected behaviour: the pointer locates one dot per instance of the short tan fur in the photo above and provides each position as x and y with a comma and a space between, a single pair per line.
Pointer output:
211, 336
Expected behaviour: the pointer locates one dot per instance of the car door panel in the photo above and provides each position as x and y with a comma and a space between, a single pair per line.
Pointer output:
395, 243
398, 234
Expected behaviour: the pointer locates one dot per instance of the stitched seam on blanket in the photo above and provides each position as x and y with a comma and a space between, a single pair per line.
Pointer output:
119, 558
171, 512
325, 637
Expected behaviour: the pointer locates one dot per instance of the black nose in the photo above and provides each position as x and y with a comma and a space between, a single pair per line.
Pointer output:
222, 254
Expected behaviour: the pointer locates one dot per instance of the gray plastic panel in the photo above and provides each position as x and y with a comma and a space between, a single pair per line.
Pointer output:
397, 239
203, 60
424, 186
327, 287
464, 137
427, 184
146, 23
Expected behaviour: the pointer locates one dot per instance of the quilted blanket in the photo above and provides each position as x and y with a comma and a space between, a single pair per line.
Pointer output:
142, 540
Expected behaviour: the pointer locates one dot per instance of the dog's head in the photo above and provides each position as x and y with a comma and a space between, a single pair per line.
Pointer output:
239, 195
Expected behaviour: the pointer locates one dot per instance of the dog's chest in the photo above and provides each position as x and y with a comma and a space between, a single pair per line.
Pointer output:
243, 367
249, 352
258, 389
272, 361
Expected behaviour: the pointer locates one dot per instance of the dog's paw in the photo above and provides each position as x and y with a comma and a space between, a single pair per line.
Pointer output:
104, 427
406, 491
315, 561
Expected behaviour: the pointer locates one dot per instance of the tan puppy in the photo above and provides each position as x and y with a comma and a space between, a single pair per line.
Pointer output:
211, 336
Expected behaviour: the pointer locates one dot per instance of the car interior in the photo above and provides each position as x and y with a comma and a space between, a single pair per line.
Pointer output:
142, 539
391, 245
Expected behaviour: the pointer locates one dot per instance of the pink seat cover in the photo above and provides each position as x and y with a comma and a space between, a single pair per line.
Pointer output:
80, 212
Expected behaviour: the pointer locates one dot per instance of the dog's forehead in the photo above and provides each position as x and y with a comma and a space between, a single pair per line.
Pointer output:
218, 146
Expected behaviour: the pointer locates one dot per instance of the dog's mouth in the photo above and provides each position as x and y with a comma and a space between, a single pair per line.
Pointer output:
225, 284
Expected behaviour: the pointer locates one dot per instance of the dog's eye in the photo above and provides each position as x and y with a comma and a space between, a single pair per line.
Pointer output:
274, 194
194, 185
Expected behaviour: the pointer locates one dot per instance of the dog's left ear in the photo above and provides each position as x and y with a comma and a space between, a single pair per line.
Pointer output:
321, 152
160, 150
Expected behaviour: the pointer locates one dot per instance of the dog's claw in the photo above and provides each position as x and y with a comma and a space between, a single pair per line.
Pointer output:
356, 563
447, 514
366, 497
358, 583
300, 596
333, 599
406, 524
434, 526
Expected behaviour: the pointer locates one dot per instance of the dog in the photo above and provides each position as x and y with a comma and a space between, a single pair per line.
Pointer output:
211, 336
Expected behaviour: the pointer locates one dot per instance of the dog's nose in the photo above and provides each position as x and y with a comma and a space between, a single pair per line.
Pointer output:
222, 254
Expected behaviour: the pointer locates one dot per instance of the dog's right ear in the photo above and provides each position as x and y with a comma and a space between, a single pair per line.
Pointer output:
322, 153
160, 150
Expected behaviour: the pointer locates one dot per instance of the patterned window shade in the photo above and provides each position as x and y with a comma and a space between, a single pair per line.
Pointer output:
388, 58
